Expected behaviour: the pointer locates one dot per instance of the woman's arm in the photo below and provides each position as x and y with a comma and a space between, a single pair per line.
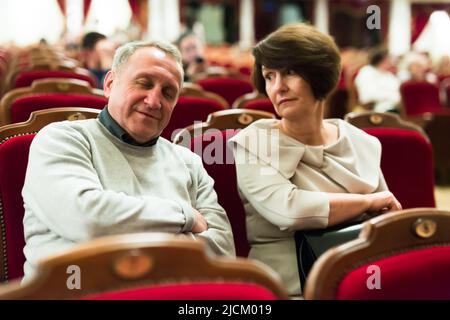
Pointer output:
346, 206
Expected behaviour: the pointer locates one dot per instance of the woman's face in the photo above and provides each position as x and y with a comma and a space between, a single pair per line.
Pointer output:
288, 92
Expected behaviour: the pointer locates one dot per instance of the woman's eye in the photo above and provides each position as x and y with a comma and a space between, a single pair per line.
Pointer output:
268, 76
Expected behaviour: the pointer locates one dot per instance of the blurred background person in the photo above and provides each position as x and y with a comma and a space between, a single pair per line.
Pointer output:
192, 53
377, 86
97, 54
415, 66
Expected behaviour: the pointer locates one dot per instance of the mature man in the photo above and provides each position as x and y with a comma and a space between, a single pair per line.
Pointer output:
114, 174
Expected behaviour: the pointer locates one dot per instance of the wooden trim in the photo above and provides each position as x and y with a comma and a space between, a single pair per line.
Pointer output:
194, 90
41, 118
243, 100
136, 260
222, 120
49, 85
372, 119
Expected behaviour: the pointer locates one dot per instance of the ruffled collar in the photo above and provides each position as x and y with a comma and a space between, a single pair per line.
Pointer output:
352, 160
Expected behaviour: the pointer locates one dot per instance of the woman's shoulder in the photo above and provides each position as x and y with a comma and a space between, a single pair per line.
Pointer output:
358, 137
259, 128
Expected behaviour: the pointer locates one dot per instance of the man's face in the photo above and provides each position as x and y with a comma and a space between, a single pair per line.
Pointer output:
143, 92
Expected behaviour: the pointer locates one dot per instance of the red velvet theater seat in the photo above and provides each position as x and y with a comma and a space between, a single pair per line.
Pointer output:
401, 255
22, 107
220, 166
190, 109
13, 164
229, 88
148, 266
407, 165
420, 97
414, 275
25, 79
192, 291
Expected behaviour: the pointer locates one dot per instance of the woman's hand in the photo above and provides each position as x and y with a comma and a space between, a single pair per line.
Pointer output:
381, 202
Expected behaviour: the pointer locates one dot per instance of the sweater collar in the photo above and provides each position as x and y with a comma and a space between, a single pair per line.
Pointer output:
116, 130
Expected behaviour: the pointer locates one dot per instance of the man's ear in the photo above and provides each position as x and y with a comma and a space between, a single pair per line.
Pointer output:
108, 82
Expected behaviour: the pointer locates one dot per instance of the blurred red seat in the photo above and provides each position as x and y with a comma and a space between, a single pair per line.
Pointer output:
228, 88
420, 97
22, 108
26, 78
187, 111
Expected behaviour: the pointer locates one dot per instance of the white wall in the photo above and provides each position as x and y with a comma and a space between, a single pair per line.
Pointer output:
24, 22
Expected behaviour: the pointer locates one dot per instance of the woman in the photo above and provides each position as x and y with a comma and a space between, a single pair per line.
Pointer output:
302, 172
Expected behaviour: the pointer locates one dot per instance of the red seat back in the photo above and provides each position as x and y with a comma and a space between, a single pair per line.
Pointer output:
407, 165
262, 105
191, 291
22, 107
229, 88
188, 110
223, 172
13, 165
24, 79
420, 97
414, 275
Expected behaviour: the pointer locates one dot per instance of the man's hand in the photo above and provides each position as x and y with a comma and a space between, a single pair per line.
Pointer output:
200, 223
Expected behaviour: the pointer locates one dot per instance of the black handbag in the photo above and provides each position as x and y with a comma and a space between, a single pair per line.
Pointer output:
311, 244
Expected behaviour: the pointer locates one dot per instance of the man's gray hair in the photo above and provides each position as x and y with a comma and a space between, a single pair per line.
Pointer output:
124, 52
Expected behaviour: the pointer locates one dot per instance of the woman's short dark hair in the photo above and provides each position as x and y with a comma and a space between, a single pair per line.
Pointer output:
303, 49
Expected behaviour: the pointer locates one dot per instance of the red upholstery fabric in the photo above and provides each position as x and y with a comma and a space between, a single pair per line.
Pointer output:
447, 95
420, 97
188, 110
262, 105
22, 107
230, 89
419, 274
407, 165
223, 172
24, 79
191, 291
13, 164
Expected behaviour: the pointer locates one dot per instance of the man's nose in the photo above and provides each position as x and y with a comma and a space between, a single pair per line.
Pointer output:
152, 99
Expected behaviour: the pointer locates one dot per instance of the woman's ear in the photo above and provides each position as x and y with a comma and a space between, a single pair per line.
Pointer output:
108, 82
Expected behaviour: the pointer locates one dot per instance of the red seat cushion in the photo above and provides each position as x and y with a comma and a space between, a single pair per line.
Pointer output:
22, 107
230, 89
420, 97
26, 78
189, 110
407, 165
219, 163
261, 105
419, 274
13, 165
191, 291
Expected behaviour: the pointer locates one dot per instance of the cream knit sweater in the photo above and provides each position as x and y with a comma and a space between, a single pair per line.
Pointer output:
82, 183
